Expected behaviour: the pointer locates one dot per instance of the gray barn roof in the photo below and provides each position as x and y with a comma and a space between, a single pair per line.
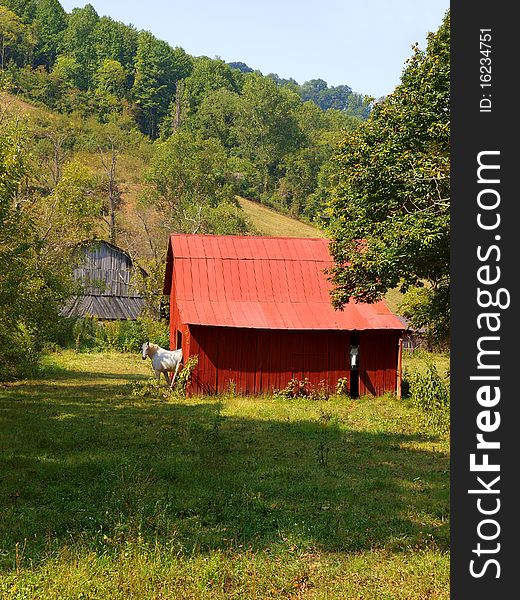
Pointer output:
105, 272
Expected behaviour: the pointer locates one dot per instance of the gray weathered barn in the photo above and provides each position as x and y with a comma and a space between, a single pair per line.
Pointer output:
108, 292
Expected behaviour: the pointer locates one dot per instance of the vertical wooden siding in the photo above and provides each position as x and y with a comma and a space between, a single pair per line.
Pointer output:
255, 361
105, 270
378, 362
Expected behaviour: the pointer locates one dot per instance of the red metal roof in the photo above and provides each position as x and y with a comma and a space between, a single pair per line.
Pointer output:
261, 283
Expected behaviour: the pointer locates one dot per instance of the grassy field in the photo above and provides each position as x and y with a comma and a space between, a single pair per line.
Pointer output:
270, 222
418, 360
105, 494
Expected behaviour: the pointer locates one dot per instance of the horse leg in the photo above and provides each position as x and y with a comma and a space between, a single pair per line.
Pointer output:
165, 373
175, 374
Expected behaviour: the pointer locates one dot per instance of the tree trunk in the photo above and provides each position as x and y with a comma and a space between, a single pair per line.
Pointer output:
112, 196
110, 166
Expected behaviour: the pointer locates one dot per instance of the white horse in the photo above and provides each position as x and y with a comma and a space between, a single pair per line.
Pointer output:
354, 356
163, 361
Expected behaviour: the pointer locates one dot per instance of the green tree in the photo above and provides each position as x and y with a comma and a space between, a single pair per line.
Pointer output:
226, 218
15, 250
266, 127
25, 9
207, 76
186, 167
300, 178
16, 39
322, 131
115, 41
390, 208
37, 234
158, 68
191, 177
110, 87
217, 116
69, 71
339, 97
110, 78
78, 38
68, 215
50, 20
290, 83
53, 137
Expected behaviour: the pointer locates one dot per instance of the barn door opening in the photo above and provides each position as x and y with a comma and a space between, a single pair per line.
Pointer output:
179, 340
354, 365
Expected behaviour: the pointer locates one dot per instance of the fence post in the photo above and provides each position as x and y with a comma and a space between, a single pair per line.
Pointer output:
399, 368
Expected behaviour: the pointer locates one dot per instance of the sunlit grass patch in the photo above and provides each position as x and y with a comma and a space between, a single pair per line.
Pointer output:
420, 359
270, 222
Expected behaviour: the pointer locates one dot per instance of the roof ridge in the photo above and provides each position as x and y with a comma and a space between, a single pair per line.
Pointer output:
269, 259
248, 237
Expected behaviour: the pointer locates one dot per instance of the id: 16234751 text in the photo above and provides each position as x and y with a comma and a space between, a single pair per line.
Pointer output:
485, 70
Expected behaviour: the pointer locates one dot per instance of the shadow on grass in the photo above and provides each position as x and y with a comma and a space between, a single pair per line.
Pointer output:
77, 467
65, 374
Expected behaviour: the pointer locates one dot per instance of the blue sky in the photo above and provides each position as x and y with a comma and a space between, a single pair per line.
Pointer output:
361, 43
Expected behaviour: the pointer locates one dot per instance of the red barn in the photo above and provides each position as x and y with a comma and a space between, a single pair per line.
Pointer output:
257, 312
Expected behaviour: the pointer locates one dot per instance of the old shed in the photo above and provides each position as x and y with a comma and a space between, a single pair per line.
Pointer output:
257, 312
108, 291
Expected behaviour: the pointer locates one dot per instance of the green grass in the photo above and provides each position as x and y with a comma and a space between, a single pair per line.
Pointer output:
270, 222
108, 495
418, 360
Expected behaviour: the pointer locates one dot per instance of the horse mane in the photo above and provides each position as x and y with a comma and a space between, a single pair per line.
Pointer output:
152, 348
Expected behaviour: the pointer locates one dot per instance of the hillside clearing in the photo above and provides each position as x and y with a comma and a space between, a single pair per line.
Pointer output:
107, 494
270, 222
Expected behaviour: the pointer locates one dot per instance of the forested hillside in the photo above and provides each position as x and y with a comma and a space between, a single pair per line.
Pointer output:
269, 138
109, 132
340, 97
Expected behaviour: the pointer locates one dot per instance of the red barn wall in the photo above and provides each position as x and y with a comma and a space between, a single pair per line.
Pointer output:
378, 351
177, 325
260, 361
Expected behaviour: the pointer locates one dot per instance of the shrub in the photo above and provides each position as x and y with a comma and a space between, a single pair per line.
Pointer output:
84, 333
184, 375
88, 334
303, 388
19, 354
149, 388
430, 393
155, 331
342, 386
296, 388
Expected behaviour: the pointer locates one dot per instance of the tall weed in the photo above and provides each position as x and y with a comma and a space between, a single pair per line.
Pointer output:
430, 393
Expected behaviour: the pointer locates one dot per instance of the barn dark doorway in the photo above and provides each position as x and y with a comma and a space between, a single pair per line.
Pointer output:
179, 340
354, 365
